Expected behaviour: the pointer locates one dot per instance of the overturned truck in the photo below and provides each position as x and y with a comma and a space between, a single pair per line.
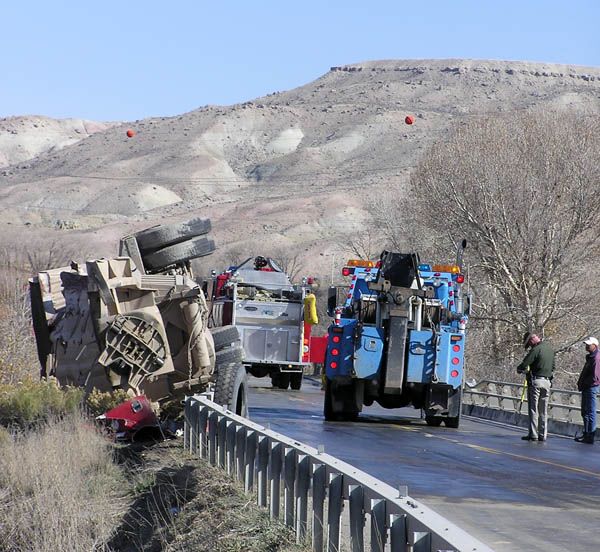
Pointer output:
138, 322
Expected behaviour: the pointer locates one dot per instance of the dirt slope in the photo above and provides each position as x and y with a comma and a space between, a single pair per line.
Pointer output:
23, 138
290, 169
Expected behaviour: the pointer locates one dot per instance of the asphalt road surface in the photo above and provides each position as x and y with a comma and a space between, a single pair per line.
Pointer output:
511, 494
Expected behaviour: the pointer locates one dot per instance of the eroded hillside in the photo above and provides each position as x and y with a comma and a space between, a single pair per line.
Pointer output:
287, 170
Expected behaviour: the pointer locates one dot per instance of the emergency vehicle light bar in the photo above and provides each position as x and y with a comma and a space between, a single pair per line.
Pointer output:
453, 269
361, 262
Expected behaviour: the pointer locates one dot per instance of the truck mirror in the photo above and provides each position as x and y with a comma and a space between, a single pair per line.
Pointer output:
331, 300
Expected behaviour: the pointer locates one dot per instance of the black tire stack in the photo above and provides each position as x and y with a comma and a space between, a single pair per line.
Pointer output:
168, 245
231, 381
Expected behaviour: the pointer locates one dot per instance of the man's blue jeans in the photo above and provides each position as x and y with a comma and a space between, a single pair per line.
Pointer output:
588, 410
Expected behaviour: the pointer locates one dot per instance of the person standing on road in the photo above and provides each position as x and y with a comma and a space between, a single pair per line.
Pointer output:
589, 384
539, 365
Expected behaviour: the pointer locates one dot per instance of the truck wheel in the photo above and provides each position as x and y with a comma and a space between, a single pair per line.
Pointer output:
163, 235
231, 388
275, 379
433, 421
296, 381
284, 381
452, 422
224, 335
328, 405
228, 355
178, 253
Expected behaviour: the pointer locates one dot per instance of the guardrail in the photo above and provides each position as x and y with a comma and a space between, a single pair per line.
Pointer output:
313, 488
564, 405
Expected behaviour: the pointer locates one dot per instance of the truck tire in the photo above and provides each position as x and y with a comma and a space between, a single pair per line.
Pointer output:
452, 422
228, 355
163, 235
433, 421
231, 388
296, 381
178, 253
224, 335
275, 379
283, 381
345, 395
328, 404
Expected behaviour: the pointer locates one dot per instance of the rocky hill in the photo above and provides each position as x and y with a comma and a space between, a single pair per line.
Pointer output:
23, 138
287, 170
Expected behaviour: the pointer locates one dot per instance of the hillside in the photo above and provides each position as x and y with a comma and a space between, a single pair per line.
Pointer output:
23, 138
287, 170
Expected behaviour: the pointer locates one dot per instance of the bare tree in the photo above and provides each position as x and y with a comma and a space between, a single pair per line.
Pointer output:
524, 190
289, 261
364, 244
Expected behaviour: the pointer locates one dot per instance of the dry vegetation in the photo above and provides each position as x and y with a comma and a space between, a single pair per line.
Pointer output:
59, 489
64, 486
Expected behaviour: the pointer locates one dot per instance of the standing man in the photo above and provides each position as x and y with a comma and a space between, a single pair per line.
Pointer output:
539, 364
589, 383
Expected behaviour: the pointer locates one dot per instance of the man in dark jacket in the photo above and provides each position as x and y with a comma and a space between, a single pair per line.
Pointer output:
539, 364
589, 384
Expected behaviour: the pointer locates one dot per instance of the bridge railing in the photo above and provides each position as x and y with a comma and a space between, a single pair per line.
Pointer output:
564, 405
311, 490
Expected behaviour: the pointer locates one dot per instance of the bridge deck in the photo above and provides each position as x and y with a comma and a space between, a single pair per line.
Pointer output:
510, 494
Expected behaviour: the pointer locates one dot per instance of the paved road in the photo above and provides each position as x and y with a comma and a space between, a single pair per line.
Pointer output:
513, 495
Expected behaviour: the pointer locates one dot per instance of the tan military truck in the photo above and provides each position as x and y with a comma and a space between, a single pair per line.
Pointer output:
138, 322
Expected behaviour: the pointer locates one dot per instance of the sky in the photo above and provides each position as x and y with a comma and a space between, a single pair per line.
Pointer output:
123, 60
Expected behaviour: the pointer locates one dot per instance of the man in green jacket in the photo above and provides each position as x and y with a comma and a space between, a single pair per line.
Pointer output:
539, 364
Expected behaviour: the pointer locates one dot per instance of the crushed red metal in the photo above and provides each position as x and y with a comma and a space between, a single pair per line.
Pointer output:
130, 417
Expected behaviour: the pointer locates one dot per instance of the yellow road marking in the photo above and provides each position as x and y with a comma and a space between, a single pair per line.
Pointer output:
501, 452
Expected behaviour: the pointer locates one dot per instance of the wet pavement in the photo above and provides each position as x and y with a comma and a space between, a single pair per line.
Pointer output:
511, 494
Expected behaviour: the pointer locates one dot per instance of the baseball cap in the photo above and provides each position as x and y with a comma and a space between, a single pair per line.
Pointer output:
591, 341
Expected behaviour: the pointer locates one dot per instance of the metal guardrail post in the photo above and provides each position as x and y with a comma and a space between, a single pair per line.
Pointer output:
398, 539
202, 422
187, 428
289, 479
378, 528
264, 445
221, 434
319, 481
275, 478
334, 512
230, 448
240, 453
302, 487
251, 446
421, 541
213, 421
357, 518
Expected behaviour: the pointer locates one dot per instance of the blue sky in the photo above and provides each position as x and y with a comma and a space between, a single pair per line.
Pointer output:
129, 59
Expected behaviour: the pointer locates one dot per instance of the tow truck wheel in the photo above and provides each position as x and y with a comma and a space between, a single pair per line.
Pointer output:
328, 405
284, 381
231, 388
275, 380
433, 421
296, 381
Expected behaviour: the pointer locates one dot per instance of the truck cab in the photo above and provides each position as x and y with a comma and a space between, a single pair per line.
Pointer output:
258, 298
398, 339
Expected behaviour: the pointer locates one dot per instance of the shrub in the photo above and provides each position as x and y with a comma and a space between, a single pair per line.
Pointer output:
31, 402
98, 402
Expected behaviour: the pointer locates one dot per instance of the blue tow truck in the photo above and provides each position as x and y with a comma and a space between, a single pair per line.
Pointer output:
398, 338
